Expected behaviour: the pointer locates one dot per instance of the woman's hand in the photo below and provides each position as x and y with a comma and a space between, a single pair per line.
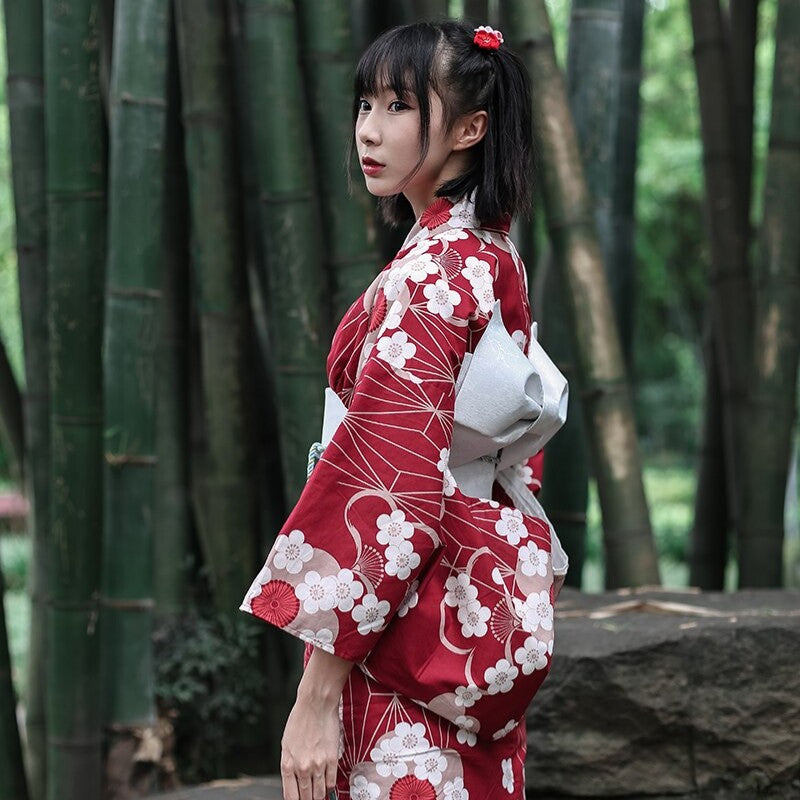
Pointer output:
310, 743
310, 749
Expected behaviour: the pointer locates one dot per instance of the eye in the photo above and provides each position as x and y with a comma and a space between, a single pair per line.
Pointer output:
361, 105
398, 103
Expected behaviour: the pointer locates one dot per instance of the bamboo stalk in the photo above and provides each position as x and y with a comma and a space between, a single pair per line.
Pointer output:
137, 111
24, 94
11, 422
289, 221
350, 256
76, 218
171, 524
222, 486
607, 406
773, 375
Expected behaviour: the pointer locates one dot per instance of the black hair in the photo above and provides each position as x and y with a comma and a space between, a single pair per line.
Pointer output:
413, 59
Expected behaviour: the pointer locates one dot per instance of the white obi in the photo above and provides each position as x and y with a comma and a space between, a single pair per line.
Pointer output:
508, 406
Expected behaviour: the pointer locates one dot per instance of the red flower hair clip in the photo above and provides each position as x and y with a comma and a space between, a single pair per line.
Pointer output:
487, 37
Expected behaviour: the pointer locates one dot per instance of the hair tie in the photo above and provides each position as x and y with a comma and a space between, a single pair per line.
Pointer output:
487, 37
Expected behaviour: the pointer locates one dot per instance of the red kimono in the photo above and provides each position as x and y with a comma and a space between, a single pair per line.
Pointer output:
378, 505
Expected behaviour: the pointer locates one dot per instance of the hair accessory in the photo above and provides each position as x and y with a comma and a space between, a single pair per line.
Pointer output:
487, 37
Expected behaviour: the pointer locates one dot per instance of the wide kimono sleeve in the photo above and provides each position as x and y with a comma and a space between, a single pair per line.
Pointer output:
368, 520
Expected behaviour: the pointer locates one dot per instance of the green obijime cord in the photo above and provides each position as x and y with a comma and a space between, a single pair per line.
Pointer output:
314, 455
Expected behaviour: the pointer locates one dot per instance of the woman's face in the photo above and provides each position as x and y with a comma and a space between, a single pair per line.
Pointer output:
388, 131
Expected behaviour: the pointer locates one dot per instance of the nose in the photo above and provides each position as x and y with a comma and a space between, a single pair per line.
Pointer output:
367, 130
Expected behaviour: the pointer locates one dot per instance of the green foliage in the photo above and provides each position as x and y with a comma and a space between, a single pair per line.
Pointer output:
207, 684
15, 557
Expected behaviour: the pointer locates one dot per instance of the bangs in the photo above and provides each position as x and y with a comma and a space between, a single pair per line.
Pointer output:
400, 59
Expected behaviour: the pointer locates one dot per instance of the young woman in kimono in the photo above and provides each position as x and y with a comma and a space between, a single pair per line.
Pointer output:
442, 129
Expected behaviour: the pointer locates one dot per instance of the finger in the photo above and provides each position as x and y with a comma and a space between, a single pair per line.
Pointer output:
330, 776
289, 784
318, 786
304, 784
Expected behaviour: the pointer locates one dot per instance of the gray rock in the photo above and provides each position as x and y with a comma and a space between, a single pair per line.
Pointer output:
661, 699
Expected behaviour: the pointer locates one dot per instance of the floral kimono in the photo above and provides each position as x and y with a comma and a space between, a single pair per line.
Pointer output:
367, 529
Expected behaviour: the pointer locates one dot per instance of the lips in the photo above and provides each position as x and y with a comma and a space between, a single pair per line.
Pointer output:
371, 162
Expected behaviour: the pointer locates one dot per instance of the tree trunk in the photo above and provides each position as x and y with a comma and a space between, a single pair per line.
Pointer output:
137, 112
773, 374
24, 95
708, 538
11, 417
12, 768
630, 549
729, 282
418, 10
351, 260
222, 487
76, 217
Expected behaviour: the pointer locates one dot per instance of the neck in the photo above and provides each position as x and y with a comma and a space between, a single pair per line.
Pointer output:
421, 197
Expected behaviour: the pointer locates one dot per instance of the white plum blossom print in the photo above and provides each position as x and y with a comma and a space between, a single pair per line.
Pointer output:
316, 592
411, 737
459, 590
484, 294
394, 528
393, 315
410, 600
508, 775
429, 766
396, 349
467, 695
473, 617
506, 729
401, 559
363, 789
452, 235
264, 576
477, 271
322, 638
346, 589
444, 458
441, 298
422, 266
535, 611
524, 472
466, 729
500, 677
370, 613
387, 758
395, 281
511, 525
449, 484
455, 790
533, 560
462, 215
519, 338
532, 655
550, 647
292, 551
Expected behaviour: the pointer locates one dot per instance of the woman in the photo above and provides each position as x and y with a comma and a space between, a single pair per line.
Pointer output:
443, 133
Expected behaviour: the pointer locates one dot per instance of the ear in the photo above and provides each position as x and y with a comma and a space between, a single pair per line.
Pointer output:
470, 129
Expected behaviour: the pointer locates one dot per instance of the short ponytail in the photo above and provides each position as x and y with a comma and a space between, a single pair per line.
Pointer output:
442, 56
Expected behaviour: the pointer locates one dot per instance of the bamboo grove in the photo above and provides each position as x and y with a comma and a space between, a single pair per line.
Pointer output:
187, 241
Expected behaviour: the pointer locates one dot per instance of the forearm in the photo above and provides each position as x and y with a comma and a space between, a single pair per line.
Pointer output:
324, 677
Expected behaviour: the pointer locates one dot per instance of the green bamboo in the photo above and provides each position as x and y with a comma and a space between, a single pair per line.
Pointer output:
776, 346
623, 200
290, 222
137, 111
477, 12
607, 405
171, 523
11, 423
25, 99
416, 10
13, 785
730, 293
222, 482
76, 218
350, 256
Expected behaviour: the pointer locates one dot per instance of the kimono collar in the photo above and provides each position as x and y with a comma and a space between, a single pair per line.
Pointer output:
447, 213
